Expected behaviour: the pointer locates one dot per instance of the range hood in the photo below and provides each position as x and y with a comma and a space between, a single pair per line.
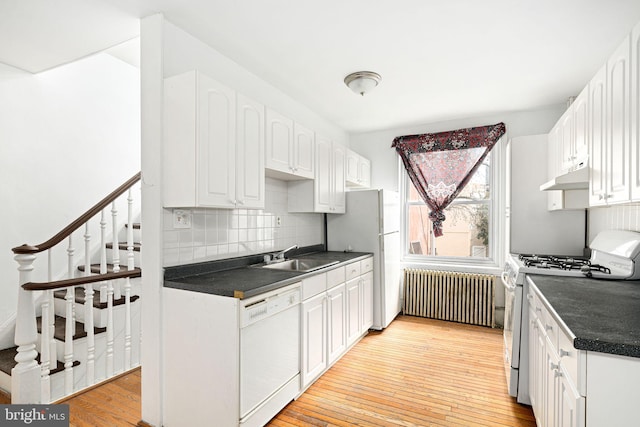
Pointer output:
577, 179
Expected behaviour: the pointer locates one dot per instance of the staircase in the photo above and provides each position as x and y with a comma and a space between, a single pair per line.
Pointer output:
79, 324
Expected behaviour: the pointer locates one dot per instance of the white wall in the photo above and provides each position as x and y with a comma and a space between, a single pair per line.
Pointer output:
376, 146
69, 136
620, 217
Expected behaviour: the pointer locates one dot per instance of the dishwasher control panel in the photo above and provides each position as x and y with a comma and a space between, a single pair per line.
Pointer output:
269, 305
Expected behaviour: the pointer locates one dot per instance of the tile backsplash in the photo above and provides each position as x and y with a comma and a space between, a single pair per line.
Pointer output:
617, 217
228, 233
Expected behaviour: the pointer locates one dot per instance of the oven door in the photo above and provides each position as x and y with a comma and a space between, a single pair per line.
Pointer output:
512, 317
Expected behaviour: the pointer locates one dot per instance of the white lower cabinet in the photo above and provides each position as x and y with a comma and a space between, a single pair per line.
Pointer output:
557, 371
337, 310
336, 318
314, 338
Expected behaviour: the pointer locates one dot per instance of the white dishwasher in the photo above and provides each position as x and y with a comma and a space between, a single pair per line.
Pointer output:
269, 346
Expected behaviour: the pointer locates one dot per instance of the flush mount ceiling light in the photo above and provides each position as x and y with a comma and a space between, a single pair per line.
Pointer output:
362, 81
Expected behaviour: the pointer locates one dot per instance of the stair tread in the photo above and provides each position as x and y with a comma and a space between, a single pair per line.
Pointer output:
79, 298
7, 361
124, 246
59, 328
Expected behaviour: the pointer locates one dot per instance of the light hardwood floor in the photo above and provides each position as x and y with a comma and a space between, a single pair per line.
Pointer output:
418, 372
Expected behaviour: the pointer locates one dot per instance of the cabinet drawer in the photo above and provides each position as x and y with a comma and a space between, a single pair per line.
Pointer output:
573, 362
314, 285
366, 265
353, 270
335, 277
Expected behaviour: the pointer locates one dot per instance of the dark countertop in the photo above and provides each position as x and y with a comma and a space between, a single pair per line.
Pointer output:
603, 315
235, 277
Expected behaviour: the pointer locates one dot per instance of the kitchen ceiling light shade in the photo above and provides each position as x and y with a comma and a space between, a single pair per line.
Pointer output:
362, 81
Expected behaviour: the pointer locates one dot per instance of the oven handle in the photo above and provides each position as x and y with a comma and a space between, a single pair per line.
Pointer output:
506, 284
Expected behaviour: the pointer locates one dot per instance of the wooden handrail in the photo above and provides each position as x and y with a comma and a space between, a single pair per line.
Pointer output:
45, 286
66, 232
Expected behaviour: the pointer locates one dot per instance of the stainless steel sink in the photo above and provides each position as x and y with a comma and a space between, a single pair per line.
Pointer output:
303, 265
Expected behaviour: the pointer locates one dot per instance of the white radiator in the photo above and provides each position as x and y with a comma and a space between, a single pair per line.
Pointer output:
445, 295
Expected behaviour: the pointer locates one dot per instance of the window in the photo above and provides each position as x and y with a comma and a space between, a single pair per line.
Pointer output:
469, 228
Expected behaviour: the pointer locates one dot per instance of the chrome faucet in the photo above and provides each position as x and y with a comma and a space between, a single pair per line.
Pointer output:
280, 255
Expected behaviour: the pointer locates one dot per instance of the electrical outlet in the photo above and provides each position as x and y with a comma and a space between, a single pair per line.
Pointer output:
278, 221
181, 218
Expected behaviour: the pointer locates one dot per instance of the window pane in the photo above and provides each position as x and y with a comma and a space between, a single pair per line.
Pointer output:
466, 231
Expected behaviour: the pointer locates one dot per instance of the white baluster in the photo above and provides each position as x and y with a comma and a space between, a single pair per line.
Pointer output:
103, 256
88, 310
127, 283
45, 356
109, 358
87, 250
69, 331
25, 376
115, 253
88, 327
127, 324
70, 273
51, 321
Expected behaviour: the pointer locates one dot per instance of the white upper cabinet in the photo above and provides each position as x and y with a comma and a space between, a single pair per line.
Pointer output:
597, 138
358, 170
212, 136
326, 192
579, 151
635, 114
289, 148
250, 191
618, 124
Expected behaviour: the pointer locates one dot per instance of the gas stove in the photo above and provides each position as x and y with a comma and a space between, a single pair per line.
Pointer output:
615, 255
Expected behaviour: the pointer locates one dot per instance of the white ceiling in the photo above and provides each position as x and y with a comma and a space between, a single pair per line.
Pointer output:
439, 60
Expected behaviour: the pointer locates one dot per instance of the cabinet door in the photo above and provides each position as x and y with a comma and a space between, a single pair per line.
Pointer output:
364, 172
635, 113
550, 399
216, 144
618, 125
314, 338
567, 144
580, 124
571, 406
352, 166
597, 138
323, 179
303, 151
250, 153
338, 199
534, 374
366, 290
353, 310
554, 198
279, 142
337, 309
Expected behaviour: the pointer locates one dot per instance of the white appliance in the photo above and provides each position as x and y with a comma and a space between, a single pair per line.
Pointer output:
372, 224
615, 255
269, 352
531, 226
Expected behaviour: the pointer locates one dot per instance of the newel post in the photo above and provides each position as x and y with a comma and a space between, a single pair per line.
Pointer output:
25, 376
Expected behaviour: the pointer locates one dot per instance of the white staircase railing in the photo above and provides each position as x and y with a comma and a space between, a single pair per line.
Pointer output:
31, 381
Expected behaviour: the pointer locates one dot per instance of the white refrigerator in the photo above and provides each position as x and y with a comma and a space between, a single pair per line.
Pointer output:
372, 224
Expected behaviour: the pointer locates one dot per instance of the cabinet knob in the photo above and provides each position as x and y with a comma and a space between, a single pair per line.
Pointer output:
553, 366
548, 327
564, 353
557, 373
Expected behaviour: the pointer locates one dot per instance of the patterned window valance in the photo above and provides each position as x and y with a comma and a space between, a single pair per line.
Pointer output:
441, 164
